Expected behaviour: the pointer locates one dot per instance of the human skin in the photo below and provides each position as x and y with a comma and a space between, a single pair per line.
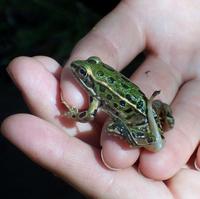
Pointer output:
169, 30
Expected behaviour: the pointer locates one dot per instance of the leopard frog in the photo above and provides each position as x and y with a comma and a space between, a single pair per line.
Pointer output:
134, 117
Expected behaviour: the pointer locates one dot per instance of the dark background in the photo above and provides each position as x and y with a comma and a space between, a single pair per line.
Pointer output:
38, 28
32, 27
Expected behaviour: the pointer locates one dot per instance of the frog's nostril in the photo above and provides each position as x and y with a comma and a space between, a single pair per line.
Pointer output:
73, 65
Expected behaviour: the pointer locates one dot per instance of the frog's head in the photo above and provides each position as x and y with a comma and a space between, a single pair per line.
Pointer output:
83, 71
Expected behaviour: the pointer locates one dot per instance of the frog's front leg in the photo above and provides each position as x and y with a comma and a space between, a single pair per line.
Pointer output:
83, 116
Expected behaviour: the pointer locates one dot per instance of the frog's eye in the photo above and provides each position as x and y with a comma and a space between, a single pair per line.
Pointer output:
82, 72
94, 60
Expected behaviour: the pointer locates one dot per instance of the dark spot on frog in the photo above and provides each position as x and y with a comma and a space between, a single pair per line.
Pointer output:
110, 80
140, 135
100, 73
128, 97
95, 112
117, 113
124, 86
82, 114
122, 103
149, 139
91, 99
115, 105
109, 97
102, 88
128, 110
140, 104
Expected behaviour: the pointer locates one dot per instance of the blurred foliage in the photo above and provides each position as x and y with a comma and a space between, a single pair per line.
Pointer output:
43, 27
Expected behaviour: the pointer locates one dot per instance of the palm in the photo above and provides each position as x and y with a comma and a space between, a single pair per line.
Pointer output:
172, 61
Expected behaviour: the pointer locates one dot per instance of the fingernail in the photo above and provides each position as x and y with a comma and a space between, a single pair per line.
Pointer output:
196, 166
108, 166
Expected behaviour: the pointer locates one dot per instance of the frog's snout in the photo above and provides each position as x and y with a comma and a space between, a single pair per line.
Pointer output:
74, 65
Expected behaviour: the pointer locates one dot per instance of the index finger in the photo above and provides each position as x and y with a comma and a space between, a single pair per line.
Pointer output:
115, 42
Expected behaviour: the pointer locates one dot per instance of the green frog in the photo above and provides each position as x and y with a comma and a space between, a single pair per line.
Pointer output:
134, 117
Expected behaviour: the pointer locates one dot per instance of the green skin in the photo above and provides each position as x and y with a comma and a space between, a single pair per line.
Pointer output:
135, 118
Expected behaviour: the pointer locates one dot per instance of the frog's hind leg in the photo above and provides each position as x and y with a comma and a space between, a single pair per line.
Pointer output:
134, 135
117, 128
165, 114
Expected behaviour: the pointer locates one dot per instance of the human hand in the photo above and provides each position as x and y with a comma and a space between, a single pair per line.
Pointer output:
169, 31
107, 41
45, 140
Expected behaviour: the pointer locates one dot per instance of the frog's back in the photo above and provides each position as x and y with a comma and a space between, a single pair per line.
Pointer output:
118, 92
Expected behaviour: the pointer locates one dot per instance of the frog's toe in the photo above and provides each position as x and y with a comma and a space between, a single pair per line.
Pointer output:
69, 115
155, 147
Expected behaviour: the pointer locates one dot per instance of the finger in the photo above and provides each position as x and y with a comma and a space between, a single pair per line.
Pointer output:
50, 64
185, 184
106, 41
197, 161
36, 78
38, 85
117, 154
115, 42
182, 140
76, 162
65, 156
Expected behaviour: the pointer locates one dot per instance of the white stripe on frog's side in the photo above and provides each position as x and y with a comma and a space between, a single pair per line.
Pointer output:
118, 95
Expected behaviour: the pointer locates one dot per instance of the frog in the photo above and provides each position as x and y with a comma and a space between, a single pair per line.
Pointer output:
139, 120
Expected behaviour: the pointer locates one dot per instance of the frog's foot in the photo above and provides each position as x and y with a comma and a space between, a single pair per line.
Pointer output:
154, 146
72, 113
82, 116
165, 114
85, 116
